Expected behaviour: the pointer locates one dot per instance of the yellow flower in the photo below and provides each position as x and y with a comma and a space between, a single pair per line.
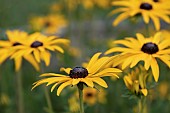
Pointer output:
143, 49
89, 4
40, 46
148, 9
49, 24
91, 96
89, 75
16, 39
73, 104
135, 81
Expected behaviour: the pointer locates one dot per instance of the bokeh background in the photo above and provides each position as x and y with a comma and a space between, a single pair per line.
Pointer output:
90, 30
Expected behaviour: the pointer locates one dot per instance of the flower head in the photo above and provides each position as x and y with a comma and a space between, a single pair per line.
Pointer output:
148, 9
135, 81
87, 75
91, 96
7, 48
143, 49
40, 46
49, 24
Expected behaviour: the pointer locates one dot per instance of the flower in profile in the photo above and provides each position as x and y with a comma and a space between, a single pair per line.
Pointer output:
136, 81
50, 24
40, 46
143, 49
148, 9
15, 39
87, 75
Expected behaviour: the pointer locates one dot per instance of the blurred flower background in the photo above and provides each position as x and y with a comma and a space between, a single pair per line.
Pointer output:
87, 25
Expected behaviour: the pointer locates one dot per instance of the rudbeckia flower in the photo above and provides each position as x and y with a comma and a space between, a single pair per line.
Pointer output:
143, 49
50, 24
87, 75
16, 38
136, 81
91, 96
40, 46
148, 9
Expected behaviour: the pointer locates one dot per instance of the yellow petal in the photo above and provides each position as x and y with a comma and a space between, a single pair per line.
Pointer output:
148, 61
93, 60
45, 55
18, 62
100, 82
31, 60
144, 92
155, 69
120, 18
75, 81
156, 22
62, 86
58, 49
36, 55
141, 38
128, 82
87, 81
67, 70
53, 74
52, 88
145, 17
157, 38
117, 11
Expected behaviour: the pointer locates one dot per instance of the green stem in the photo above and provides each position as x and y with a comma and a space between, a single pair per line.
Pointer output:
81, 97
142, 107
19, 92
47, 95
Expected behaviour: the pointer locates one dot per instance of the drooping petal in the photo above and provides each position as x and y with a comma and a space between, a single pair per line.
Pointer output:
31, 60
88, 81
155, 69
62, 86
45, 55
144, 92
18, 62
100, 82
120, 18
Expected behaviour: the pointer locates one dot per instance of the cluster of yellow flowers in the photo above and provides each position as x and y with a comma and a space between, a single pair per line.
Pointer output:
127, 53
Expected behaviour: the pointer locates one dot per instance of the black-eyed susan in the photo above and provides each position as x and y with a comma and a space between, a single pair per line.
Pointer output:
15, 38
50, 24
143, 49
136, 81
92, 96
40, 46
148, 9
87, 75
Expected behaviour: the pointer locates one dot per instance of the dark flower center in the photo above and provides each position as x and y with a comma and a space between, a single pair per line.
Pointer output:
47, 24
78, 72
146, 6
156, 0
150, 48
89, 95
16, 44
36, 44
